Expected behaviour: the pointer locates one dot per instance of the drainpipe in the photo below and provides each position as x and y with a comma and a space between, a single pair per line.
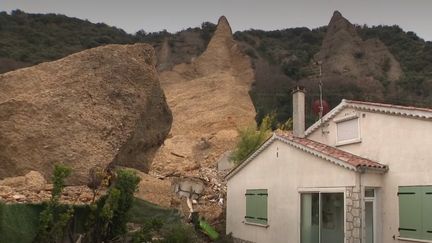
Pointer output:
362, 203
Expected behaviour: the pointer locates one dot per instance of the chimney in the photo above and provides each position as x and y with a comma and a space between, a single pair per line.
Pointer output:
299, 111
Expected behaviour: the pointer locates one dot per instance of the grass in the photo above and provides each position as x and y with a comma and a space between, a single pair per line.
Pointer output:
143, 210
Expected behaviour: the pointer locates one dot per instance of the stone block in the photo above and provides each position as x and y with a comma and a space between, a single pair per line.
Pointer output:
356, 212
356, 196
356, 204
349, 217
356, 233
357, 222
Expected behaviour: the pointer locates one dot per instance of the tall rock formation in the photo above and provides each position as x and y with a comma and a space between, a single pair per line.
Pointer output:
210, 101
96, 107
345, 55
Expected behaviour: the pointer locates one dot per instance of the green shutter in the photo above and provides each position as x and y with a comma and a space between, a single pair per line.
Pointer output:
256, 206
262, 206
250, 206
427, 213
410, 212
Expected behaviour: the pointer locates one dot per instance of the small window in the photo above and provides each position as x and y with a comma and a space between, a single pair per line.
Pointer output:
348, 130
415, 212
256, 206
369, 193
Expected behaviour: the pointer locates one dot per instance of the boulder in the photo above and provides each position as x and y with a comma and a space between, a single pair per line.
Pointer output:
98, 107
5, 191
35, 181
31, 181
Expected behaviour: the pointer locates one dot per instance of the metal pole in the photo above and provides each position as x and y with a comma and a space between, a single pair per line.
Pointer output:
320, 88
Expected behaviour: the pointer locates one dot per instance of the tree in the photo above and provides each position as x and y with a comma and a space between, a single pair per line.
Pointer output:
207, 31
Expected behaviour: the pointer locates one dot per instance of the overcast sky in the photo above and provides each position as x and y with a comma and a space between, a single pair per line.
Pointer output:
175, 15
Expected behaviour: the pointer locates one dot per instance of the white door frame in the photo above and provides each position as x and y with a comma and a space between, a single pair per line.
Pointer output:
374, 214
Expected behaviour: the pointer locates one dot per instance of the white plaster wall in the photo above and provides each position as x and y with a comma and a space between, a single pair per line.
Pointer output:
404, 144
371, 179
283, 176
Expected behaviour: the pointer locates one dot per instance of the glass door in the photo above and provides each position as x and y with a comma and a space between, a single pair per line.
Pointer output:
310, 218
370, 215
322, 218
369, 221
332, 218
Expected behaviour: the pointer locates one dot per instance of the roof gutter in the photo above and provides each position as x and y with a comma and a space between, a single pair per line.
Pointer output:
364, 169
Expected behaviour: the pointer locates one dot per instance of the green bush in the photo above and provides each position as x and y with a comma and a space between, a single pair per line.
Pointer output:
207, 31
109, 215
148, 231
55, 218
251, 139
126, 184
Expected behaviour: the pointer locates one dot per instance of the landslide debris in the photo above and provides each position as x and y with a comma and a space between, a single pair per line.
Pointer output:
209, 99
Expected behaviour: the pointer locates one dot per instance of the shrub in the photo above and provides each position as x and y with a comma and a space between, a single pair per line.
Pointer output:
148, 231
127, 184
110, 213
287, 125
250, 52
251, 139
55, 217
207, 31
96, 180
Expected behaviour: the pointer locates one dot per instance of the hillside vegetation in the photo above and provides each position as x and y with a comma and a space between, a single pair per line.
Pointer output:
35, 38
281, 58
413, 53
284, 58
27, 39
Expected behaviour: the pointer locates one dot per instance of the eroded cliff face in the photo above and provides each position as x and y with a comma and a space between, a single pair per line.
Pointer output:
94, 108
344, 55
210, 101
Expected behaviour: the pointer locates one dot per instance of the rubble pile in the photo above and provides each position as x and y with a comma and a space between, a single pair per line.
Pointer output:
33, 188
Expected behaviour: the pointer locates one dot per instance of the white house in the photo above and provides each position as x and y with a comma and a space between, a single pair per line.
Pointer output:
363, 173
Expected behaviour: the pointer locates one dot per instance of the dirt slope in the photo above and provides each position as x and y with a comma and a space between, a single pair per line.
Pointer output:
100, 106
210, 101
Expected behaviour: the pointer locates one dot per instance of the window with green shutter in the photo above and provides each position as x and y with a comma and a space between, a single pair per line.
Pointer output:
256, 206
415, 212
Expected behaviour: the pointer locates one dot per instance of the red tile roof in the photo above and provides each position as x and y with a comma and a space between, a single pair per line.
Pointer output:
332, 152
